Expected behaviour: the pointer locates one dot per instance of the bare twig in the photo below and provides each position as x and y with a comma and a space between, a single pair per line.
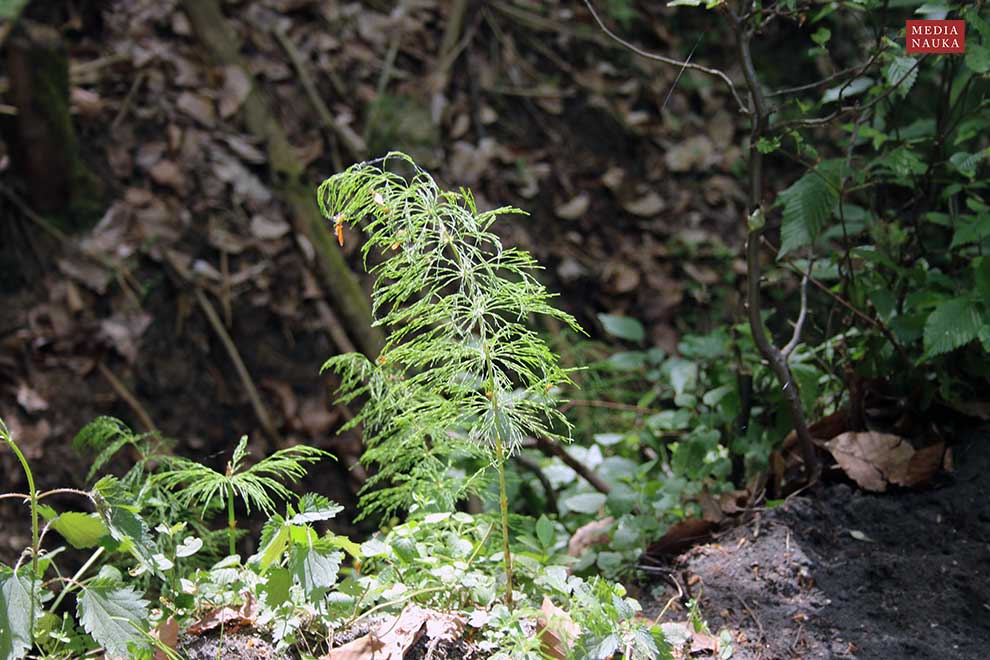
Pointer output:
334, 328
687, 64
128, 398
260, 411
349, 138
799, 325
841, 112
548, 492
752, 615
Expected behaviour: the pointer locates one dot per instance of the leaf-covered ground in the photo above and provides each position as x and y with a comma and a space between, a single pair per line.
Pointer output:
635, 210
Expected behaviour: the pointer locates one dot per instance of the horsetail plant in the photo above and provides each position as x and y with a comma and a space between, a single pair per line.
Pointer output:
460, 373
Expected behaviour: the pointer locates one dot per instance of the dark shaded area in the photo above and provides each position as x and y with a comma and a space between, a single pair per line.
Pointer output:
796, 582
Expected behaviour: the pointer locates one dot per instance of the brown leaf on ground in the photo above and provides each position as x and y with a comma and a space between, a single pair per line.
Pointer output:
680, 536
876, 460
29, 399
236, 88
245, 615
573, 208
396, 635
167, 632
198, 107
556, 629
589, 534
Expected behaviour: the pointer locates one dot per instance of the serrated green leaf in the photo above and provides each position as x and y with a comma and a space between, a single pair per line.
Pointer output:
953, 324
114, 615
808, 203
585, 502
115, 507
902, 68
15, 614
315, 566
545, 531
278, 580
966, 163
313, 507
81, 530
978, 58
971, 230
623, 327
274, 541
345, 544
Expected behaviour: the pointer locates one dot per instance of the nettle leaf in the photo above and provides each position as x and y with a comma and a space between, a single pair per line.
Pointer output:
15, 614
966, 163
115, 507
623, 327
971, 230
81, 530
902, 68
808, 203
274, 541
315, 566
978, 58
953, 324
114, 615
313, 507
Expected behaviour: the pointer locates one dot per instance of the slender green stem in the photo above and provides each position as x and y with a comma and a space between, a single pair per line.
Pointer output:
231, 523
75, 580
33, 492
504, 506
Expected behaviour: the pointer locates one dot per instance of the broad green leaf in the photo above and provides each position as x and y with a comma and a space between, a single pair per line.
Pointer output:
971, 230
623, 327
190, 546
15, 613
682, 374
278, 580
345, 544
821, 36
585, 502
114, 615
313, 507
954, 323
627, 361
902, 69
315, 566
847, 90
978, 57
81, 530
608, 439
114, 504
808, 203
545, 531
966, 163
274, 541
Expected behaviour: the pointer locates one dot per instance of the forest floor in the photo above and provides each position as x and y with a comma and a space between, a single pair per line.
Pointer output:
635, 206
845, 574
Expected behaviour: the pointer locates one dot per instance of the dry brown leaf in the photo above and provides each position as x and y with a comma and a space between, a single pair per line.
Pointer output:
29, 399
680, 536
236, 88
876, 460
198, 107
556, 629
366, 647
167, 632
574, 208
168, 173
695, 153
269, 229
245, 615
589, 534
646, 206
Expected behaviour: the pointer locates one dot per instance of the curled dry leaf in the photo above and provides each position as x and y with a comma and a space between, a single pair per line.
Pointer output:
876, 460
588, 534
575, 208
646, 206
396, 635
556, 630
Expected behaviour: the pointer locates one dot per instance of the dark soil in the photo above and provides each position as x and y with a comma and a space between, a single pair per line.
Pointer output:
854, 575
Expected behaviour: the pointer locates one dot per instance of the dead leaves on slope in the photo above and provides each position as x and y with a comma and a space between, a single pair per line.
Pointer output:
878, 460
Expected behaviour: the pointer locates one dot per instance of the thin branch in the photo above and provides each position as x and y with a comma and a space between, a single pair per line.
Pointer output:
128, 398
841, 112
349, 138
252, 391
548, 492
669, 60
802, 315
